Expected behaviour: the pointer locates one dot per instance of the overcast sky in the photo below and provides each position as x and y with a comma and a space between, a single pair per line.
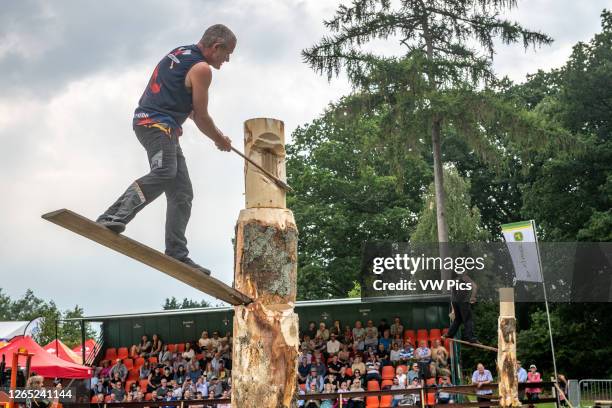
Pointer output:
72, 72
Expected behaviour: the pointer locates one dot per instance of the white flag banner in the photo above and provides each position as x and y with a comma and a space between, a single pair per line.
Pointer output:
523, 247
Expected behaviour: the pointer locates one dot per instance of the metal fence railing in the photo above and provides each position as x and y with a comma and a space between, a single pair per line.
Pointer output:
594, 392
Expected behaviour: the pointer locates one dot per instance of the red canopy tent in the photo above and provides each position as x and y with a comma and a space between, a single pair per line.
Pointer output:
59, 349
44, 363
90, 345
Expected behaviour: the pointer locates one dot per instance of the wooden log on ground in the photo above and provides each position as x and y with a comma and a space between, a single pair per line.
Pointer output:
506, 355
265, 347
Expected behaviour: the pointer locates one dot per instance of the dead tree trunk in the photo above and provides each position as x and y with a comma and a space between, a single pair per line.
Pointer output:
265, 347
506, 354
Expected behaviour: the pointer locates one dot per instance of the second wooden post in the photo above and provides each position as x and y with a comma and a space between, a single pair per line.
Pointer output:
506, 350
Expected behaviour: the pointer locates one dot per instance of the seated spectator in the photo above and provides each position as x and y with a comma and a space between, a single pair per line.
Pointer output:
407, 353
322, 333
343, 389
204, 341
344, 354
312, 403
482, 377
316, 379
215, 386
327, 402
533, 394
358, 378
358, 364
397, 339
334, 365
333, 345
104, 374
397, 329
414, 399
202, 386
163, 388
415, 372
165, 355
385, 340
141, 349
318, 365
423, 357
402, 378
180, 375
371, 335
342, 376
356, 402
189, 352
395, 354
303, 370
439, 354
347, 335
336, 329
358, 336
144, 370
194, 371
154, 379
383, 356
397, 398
119, 370
157, 346
215, 340
118, 392
372, 369
225, 394
444, 397
311, 331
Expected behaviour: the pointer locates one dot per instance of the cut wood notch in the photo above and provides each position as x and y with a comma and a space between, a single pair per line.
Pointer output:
147, 255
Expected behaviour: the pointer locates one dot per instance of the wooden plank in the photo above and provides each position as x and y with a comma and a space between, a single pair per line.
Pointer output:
147, 255
478, 345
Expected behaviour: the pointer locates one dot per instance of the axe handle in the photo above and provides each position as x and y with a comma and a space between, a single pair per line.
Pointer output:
272, 177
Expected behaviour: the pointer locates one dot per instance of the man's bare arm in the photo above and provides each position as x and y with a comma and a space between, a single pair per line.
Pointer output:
200, 77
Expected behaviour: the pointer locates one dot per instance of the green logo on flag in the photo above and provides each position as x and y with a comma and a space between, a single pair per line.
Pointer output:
518, 236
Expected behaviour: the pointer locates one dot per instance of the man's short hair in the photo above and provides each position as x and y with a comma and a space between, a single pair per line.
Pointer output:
217, 33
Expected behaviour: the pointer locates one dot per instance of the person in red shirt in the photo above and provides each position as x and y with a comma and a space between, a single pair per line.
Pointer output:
533, 394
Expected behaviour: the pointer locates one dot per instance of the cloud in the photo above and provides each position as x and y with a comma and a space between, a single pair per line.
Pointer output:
73, 72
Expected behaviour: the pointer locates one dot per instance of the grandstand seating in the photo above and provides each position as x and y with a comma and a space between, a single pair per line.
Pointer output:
372, 402
388, 372
386, 401
373, 385
122, 352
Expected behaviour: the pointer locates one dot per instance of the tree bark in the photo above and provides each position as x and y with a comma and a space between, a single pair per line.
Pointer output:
265, 346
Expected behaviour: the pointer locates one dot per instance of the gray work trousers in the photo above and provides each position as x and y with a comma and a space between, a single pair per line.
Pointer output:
168, 175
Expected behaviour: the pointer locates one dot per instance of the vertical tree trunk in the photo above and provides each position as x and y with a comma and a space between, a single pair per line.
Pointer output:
506, 350
266, 340
440, 195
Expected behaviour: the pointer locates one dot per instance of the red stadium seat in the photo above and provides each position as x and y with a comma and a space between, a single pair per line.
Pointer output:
111, 354
410, 335
139, 362
435, 334
148, 396
94, 399
129, 363
404, 369
422, 335
386, 383
143, 384
172, 348
388, 372
373, 385
122, 352
180, 347
153, 360
107, 399
372, 402
349, 372
133, 374
386, 401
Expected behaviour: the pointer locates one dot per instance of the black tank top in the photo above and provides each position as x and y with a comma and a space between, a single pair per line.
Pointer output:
166, 103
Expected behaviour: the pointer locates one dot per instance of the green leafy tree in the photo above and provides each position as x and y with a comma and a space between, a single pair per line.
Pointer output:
432, 86
346, 193
172, 303
463, 219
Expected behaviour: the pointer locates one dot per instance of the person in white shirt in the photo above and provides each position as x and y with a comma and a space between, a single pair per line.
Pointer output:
333, 345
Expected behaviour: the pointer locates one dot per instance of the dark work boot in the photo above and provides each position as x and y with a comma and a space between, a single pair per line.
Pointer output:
189, 262
115, 226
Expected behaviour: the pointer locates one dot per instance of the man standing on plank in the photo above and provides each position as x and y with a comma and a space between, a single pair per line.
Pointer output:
461, 302
178, 89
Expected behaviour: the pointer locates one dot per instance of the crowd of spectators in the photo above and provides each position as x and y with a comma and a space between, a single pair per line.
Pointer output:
155, 371
359, 358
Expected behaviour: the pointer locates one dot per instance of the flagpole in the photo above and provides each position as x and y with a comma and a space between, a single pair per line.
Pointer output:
552, 344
